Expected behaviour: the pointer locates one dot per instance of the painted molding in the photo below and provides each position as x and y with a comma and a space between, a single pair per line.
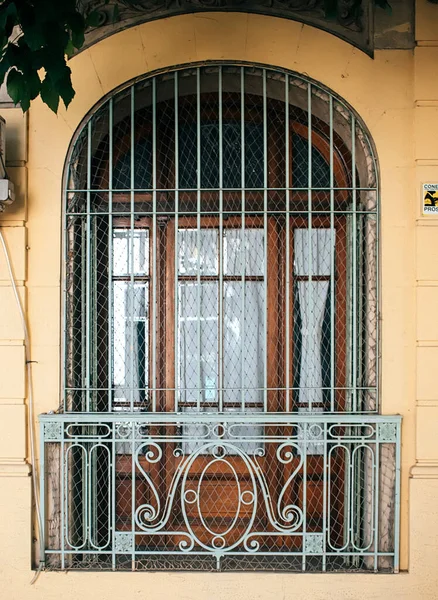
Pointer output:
354, 22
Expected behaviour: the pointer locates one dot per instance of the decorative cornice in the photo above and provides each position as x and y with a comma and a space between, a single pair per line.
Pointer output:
353, 23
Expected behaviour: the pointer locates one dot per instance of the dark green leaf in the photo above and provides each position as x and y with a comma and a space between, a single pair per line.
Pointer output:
15, 85
66, 90
49, 94
76, 23
33, 83
69, 49
7, 11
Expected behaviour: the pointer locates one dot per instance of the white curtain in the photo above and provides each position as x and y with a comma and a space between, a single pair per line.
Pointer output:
130, 315
312, 258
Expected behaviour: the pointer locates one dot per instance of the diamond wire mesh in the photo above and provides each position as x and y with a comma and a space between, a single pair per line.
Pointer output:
237, 131
221, 258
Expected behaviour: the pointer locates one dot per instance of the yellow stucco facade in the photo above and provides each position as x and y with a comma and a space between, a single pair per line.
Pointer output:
395, 95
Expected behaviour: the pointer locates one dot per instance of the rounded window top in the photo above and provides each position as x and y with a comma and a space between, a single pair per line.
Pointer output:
221, 127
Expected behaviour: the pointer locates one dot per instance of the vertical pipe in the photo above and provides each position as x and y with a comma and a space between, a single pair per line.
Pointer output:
88, 276
265, 240
288, 269
175, 318
332, 264
153, 378
110, 254
131, 303
198, 234
309, 224
242, 235
354, 266
221, 251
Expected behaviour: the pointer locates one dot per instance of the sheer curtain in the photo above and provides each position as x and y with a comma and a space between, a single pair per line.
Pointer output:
312, 257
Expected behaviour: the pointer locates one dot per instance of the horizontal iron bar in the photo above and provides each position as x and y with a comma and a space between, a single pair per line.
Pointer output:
200, 418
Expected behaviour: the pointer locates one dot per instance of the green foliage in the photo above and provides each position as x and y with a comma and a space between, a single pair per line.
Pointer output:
36, 38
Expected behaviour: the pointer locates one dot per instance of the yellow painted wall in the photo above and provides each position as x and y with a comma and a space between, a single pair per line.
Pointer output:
396, 97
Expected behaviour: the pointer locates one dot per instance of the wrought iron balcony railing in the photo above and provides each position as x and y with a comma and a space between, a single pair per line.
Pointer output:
297, 492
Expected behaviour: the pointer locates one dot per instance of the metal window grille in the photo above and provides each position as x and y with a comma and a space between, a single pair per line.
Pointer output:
221, 334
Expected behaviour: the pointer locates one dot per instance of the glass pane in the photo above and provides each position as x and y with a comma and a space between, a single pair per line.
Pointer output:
198, 341
130, 341
142, 167
126, 241
193, 260
314, 260
243, 342
300, 165
252, 255
231, 155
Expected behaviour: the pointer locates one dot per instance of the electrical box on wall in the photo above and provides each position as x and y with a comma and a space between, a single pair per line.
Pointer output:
7, 193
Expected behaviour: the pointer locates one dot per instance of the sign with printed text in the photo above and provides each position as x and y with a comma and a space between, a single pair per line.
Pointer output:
430, 199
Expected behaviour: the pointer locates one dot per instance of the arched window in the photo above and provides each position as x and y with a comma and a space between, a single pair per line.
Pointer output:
221, 229
223, 249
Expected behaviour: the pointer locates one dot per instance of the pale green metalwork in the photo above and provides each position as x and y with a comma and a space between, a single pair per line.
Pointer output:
286, 439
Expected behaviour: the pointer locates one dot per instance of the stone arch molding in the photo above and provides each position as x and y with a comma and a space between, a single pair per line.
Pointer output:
353, 23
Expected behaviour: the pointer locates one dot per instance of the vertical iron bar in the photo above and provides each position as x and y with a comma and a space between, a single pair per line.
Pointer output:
88, 276
113, 493
377, 257
131, 303
265, 241
305, 426
309, 225
133, 495
376, 474
397, 498
288, 270
354, 266
176, 264
351, 492
63, 490
42, 496
324, 499
332, 264
153, 378
242, 234
110, 255
67, 265
198, 234
221, 251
